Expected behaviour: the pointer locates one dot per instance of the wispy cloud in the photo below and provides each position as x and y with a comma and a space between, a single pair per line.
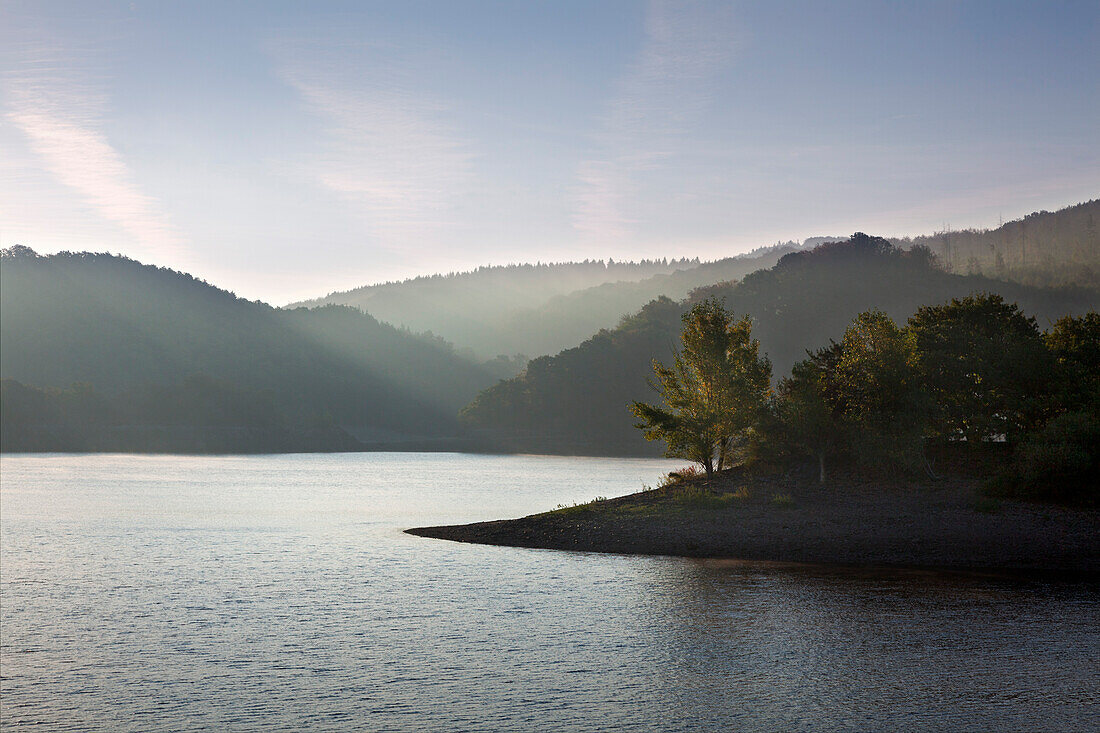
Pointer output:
655, 103
388, 148
62, 116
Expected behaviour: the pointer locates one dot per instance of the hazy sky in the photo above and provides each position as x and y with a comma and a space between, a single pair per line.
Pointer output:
284, 150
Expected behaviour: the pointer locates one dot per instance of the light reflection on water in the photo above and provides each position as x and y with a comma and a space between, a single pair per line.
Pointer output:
278, 592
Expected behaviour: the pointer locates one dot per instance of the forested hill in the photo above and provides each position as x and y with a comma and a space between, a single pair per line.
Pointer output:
154, 347
577, 401
474, 309
566, 320
542, 309
1043, 248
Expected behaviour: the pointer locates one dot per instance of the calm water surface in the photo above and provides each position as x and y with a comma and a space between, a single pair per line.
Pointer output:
278, 592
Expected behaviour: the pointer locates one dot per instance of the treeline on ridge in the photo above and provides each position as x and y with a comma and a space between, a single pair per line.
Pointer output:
541, 309
87, 336
1043, 248
472, 308
139, 339
576, 401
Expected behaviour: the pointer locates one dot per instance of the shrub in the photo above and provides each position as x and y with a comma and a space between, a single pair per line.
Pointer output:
677, 477
1060, 463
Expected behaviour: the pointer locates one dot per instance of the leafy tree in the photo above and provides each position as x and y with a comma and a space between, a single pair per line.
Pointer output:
985, 366
808, 423
1061, 460
713, 393
1074, 344
871, 383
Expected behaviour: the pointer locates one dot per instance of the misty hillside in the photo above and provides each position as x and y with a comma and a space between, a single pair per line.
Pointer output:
566, 320
1043, 248
577, 401
469, 308
541, 309
127, 329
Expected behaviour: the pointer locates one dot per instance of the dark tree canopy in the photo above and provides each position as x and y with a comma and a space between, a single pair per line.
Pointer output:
984, 364
860, 396
1075, 346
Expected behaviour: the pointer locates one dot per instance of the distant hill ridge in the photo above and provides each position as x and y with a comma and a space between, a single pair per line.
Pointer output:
542, 308
553, 276
575, 402
139, 335
1043, 248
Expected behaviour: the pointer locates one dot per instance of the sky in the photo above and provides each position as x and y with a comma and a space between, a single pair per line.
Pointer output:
284, 150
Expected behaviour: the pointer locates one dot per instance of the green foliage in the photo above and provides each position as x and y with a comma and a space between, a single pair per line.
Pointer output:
804, 422
713, 393
975, 369
874, 382
697, 498
985, 366
858, 397
1074, 344
678, 477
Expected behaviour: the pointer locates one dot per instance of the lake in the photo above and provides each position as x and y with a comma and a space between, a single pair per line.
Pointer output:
171, 593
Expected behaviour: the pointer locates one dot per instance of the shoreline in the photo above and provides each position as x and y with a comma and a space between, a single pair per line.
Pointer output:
942, 525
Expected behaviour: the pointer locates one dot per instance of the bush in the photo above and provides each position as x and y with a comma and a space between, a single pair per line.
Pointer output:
1060, 463
678, 477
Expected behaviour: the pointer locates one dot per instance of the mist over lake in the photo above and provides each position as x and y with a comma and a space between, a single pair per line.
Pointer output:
279, 592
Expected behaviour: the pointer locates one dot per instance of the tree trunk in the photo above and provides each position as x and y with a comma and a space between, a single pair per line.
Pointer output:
708, 466
821, 467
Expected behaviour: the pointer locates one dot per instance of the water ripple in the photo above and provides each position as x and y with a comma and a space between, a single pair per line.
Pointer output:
278, 593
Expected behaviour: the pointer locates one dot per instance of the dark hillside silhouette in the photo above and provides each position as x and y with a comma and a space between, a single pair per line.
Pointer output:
576, 401
571, 403
123, 327
566, 320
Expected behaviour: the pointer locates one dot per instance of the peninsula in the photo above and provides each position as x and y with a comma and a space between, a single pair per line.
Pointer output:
789, 517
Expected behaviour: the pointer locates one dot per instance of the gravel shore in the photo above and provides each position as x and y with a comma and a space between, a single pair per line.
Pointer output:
943, 524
